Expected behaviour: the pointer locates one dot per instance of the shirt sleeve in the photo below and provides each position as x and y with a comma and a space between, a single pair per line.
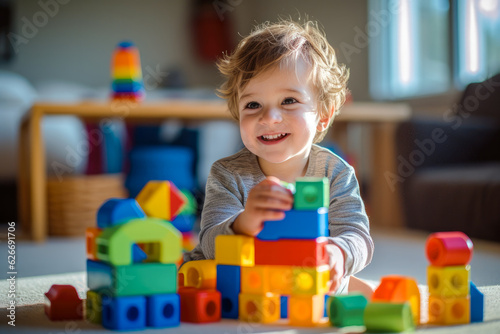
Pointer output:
223, 203
348, 222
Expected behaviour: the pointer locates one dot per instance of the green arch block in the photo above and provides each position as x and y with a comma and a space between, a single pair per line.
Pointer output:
114, 245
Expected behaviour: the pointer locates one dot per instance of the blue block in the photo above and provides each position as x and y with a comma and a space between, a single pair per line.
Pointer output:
132, 87
138, 255
298, 224
476, 304
99, 275
124, 313
284, 307
184, 223
163, 310
325, 314
228, 284
118, 211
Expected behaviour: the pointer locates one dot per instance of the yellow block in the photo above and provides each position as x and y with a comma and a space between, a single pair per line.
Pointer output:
310, 280
126, 72
235, 250
93, 307
263, 308
200, 274
261, 279
154, 199
448, 281
306, 310
449, 311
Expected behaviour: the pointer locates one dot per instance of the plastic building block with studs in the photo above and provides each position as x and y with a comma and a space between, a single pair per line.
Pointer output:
163, 310
399, 289
306, 310
449, 311
262, 308
292, 252
448, 281
229, 286
198, 274
118, 211
63, 303
235, 250
124, 313
448, 249
200, 305
388, 317
476, 304
161, 199
346, 310
262, 279
310, 281
293, 225
311, 193
114, 244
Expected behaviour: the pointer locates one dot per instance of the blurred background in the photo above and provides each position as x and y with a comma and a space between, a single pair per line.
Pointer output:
430, 56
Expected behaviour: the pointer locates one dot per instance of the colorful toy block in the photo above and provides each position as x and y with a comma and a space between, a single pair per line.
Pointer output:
449, 311
306, 310
448, 281
388, 317
200, 305
63, 303
262, 308
311, 193
297, 224
91, 233
284, 307
198, 274
93, 307
124, 313
346, 310
118, 211
114, 244
235, 250
229, 286
448, 249
399, 289
310, 281
132, 280
476, 304
138, 255
262, 279
163, 310
292, 252
161, 199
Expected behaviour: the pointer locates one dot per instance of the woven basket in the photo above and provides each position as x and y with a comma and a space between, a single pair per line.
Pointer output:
74, 201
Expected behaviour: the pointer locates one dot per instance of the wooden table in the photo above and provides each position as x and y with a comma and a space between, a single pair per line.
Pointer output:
33, 180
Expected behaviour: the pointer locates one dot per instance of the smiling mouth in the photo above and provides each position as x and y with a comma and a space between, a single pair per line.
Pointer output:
276, 137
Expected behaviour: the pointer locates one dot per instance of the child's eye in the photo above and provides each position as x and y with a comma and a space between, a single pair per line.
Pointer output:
289, 100
252, 105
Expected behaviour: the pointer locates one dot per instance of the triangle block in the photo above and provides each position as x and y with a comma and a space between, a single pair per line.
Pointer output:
154, 199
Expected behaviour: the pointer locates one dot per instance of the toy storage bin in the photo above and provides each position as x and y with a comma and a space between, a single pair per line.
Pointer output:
73, 201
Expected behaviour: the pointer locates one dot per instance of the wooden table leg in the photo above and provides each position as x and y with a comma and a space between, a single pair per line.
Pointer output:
385, 200
23, 188
37, 178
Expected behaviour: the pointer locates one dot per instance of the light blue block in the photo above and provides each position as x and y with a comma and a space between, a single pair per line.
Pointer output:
284, 307
163, 310
228, 284
117, 211
303, 224
476, 304
124, 313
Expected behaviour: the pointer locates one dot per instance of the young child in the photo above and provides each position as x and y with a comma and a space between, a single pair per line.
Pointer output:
284, 86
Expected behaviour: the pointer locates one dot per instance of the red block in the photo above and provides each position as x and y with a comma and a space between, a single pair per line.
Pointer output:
445, 249
63, 303
291, 252
200, 305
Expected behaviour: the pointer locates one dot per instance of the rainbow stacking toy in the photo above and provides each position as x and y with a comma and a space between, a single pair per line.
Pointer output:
126, 73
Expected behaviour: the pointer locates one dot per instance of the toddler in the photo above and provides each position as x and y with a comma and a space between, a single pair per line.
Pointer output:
284, 86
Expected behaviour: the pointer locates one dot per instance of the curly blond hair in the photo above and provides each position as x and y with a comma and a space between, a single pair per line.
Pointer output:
283, 42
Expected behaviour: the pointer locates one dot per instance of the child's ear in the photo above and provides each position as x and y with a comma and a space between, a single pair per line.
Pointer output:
325, 120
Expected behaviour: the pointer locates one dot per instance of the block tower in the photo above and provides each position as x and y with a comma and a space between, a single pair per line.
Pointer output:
126, 73
283, 272
132, 258
448, 277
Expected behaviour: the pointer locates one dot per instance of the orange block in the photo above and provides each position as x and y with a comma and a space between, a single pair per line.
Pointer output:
449, 311
399, 289
448, 249
91, 233
262, 279
307, 310
126, 57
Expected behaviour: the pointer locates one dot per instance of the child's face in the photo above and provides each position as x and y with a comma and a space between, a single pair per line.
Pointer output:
278, 114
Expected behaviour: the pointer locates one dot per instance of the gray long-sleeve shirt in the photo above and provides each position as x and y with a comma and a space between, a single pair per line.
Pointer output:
231, 179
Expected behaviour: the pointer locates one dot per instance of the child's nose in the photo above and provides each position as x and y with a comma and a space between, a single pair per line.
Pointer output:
271, 115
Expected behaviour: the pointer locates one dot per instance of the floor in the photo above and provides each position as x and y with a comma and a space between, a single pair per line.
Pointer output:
396, 252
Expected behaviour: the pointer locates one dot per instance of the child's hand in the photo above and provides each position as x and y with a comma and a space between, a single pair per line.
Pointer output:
336, 266
266, 201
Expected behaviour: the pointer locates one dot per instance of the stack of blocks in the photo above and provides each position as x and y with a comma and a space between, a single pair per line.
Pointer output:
126, 73
453, 298
132, 258
284, 271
